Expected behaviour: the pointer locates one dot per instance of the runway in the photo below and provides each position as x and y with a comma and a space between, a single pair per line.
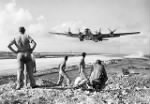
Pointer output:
9, 66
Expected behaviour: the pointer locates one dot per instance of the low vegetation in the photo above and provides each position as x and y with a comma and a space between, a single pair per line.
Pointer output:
131, 88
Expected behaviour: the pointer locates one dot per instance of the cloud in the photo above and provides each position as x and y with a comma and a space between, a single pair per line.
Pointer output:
12, 17
73, 25
136, 55
40, 18
40, 28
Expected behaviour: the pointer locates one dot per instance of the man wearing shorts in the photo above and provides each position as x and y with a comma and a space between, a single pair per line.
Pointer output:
82, 79
22, 42
26, 76
62, 73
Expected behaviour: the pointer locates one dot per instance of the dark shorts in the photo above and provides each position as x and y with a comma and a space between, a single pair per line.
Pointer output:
24, 57
97, 84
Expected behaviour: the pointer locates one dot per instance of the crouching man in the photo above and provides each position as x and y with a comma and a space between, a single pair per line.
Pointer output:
98, 76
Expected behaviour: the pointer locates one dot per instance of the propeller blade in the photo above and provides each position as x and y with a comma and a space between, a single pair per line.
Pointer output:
79, 30
109, 30
99, 30
96, 32
69, 30
114, 30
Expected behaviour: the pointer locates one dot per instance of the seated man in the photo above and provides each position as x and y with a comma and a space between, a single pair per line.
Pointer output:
98, 76
62, 73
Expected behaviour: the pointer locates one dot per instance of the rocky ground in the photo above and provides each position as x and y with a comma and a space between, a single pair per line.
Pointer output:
128, 83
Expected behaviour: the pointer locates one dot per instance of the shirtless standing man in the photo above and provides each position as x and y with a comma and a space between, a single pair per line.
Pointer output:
82, 79
98, 76
62, 73
24, 51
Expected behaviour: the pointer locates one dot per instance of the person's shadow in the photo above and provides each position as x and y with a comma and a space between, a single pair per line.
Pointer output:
48, 84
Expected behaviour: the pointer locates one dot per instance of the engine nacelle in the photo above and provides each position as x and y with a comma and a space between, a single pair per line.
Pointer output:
81, 38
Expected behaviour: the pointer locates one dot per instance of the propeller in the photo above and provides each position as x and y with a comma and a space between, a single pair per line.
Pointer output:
79, 32
81, 36
112, 31
96, 32
69, 31
99, 31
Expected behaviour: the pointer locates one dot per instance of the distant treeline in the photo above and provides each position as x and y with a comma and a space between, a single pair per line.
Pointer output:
7, 55
148, 56
10, 55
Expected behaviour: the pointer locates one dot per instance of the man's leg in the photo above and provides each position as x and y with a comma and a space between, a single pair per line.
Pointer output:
77, 81
30, 73
34, 66
83, 83
26, 77
67, 79
98, 84
60, 79
20, 74
34, 63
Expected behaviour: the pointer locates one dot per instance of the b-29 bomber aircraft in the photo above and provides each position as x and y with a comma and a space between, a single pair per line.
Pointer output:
98, 36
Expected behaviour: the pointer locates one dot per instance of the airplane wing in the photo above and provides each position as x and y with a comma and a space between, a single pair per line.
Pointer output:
65, 34
118, 34
58, 33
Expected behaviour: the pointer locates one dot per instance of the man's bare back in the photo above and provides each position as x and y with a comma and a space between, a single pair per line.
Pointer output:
22, 43
98, 75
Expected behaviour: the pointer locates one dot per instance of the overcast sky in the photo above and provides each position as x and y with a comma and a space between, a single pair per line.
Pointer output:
42, 16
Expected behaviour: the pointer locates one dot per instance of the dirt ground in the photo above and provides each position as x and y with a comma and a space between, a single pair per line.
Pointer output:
133, 88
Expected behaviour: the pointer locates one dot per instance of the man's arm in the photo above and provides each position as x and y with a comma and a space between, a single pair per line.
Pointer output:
33, 42
82, 72
62, 70
10, 46
92, 68
105, 74
85, 76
